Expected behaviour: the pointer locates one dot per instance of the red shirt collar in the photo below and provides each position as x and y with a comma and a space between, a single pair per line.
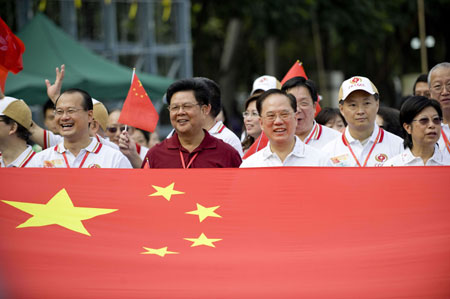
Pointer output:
208, 142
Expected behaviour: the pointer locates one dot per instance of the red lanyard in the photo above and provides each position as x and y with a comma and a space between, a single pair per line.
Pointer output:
447, 143
82, 162
370, 152
190, 162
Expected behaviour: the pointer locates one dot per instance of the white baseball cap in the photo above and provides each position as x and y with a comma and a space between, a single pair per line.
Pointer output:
356, 83
17, 110
265, 83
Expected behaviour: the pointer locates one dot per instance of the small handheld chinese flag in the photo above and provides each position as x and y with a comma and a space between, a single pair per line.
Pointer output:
138, 110
11, 50
297, 70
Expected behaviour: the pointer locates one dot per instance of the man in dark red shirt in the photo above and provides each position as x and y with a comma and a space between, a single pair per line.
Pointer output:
191, 146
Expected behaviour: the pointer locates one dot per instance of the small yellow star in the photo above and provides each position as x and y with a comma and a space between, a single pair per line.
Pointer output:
58, 210
166, 192
203, 212
202, 240
161, 251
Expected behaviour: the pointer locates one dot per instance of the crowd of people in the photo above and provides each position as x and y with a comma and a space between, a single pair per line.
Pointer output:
281, 128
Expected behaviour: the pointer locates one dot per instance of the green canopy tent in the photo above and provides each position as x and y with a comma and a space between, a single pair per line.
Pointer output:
47, 47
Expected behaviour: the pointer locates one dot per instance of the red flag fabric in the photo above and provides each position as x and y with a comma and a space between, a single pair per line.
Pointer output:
138, 110
11, 50
297, 70
258, 145
311, 233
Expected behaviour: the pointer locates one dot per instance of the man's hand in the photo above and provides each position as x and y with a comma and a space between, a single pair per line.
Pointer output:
54, 90
128, 148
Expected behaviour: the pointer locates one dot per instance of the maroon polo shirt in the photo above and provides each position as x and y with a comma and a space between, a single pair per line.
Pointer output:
212, 153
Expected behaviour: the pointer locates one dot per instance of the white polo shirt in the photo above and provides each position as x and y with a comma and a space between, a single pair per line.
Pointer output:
220, 131
408, 159
51, 139
95, 155
441, 141
22, 160
301, 155
339, 154
320, 136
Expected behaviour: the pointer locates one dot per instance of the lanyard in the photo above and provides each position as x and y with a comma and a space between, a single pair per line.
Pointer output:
447, 143
370, 152
82, 162
190, 162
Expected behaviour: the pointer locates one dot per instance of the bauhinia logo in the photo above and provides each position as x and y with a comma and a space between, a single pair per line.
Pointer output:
355, 80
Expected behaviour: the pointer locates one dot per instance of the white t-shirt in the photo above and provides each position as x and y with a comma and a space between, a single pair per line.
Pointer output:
320, 136
441, 140
95, 155
339, 154
51, 139
301, 155
22, 160
220, 131
408, 159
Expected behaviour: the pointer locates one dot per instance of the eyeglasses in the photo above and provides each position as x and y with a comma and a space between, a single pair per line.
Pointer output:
250, 114
185, 107
425, 120
284, 115
439, 87
70, 111
114, 129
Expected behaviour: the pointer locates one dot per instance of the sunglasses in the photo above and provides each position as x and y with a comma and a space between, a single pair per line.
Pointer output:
114, 129
425, 120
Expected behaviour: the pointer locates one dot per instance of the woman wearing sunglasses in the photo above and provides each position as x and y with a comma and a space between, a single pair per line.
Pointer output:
421, 121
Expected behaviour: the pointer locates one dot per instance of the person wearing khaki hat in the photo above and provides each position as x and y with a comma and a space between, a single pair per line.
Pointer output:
363, 143
15, 123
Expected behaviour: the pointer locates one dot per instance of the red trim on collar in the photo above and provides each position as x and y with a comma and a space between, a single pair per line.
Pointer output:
98, 148
320, 132
138, 148
221, 128
28, 160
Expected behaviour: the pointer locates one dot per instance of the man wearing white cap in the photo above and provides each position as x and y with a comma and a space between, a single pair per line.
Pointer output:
363, 143
73, 115
439, 83
15, 122
265, 83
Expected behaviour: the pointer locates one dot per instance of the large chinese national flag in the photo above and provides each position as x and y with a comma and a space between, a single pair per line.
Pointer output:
213, 233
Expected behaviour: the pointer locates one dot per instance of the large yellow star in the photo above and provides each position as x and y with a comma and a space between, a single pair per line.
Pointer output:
202, 240
203, 212
161, 251
166, 192
58, 210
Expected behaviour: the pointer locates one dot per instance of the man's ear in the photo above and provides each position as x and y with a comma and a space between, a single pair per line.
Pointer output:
206, 109
14, 128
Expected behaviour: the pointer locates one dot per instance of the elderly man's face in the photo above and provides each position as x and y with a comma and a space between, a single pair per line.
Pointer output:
278, 119
187, 116
440, 87
305, 109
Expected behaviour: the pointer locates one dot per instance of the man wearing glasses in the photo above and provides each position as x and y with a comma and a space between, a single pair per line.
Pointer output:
191, 146
363, 143
73, 115
278, 122
439, 83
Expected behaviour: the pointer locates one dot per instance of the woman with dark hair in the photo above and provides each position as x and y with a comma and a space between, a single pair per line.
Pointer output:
331, 118
388, 119
421, 120
251, 122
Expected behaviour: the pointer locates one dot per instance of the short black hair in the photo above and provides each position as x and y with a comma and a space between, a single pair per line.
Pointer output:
391, 120
422, 78
48, 105
199, 88
87, 100
214, 95
301, 82
327, 114
266, 94
410, 108
21, 132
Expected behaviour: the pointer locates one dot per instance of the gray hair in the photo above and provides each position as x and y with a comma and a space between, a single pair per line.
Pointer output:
437, 66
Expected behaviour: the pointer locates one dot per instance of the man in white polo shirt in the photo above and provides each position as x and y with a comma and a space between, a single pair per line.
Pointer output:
439, 83
15, 122
73, 114
363, 143
278, 121
308, 130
